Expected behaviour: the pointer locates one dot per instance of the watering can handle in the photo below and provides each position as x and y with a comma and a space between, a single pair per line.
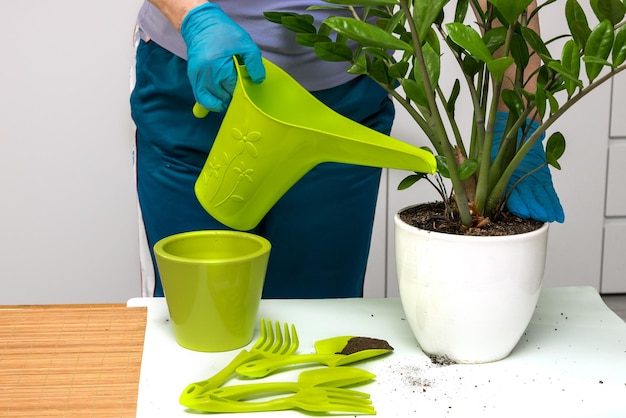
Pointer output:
200, 111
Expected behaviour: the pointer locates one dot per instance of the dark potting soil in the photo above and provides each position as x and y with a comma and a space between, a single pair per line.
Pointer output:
356, 344
430, 217
440, 360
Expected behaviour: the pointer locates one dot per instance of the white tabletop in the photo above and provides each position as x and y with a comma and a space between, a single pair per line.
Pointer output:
571, 362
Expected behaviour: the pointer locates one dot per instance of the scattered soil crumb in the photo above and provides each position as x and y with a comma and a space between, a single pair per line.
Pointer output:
441, 360
356, 344
413, 377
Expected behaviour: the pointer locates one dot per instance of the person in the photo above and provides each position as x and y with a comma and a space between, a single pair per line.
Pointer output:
321, 228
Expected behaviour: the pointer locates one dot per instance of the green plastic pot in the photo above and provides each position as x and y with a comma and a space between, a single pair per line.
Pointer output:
213, 281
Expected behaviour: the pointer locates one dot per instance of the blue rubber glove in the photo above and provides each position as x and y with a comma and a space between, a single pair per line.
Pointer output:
535, 196
212, 40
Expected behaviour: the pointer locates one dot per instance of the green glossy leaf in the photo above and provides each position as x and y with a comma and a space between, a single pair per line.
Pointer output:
360, 66
382, 23
410, 180
471, 66
305, 17
461, 10
467, 168
511, 9
470, 40
513, 101
275, 17
454, 95
324, 29
570, 59
611, 10
299, 23
366, 34
619, 47
433, 64
442, 166
378, 71
599, 46
379, 12
577, 22
399, 69
545, 74
432, 39
540, 101
519, 51
494, 38
552, 161
310, 39
332, 51
556, 87
536, 43
599, 61
326, 7
381, 54
364, 2
565, 72
414, 91
555, 148
396, 23
580, 33
554, 103
498, 67
425, 12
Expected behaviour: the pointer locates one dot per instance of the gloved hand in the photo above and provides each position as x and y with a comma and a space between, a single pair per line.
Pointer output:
212, 40
534, 197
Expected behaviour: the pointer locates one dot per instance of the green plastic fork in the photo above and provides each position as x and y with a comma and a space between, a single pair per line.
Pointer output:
316, 399
326, 377
270, 344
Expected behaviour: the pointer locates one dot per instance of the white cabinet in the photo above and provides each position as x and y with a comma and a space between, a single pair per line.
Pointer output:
616, 176
614, 260
618, 113
614, 257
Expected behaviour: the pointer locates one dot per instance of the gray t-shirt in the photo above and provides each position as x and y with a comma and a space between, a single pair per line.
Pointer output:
277, 43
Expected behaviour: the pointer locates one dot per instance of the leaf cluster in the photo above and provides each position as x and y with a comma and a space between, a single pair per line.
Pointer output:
502, 60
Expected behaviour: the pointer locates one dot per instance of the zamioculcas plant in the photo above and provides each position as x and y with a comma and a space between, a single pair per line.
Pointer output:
399, 44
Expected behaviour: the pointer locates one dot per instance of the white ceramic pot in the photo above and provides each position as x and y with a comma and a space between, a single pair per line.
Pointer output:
468, 298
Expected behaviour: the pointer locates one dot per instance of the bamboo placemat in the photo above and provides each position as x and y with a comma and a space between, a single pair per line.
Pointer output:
70, 360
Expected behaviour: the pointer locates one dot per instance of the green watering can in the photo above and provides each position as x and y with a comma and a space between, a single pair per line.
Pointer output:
275, 132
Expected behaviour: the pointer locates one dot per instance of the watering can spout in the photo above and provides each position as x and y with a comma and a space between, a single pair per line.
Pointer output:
273, 133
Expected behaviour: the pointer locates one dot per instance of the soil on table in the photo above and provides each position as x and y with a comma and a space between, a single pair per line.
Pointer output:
438, 360
431, 217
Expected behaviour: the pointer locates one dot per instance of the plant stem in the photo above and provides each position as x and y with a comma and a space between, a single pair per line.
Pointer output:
473, 92
453, 125
482, 186
412, 112
438, 128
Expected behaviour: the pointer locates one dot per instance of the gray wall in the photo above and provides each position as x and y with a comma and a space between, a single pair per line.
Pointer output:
67, 211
